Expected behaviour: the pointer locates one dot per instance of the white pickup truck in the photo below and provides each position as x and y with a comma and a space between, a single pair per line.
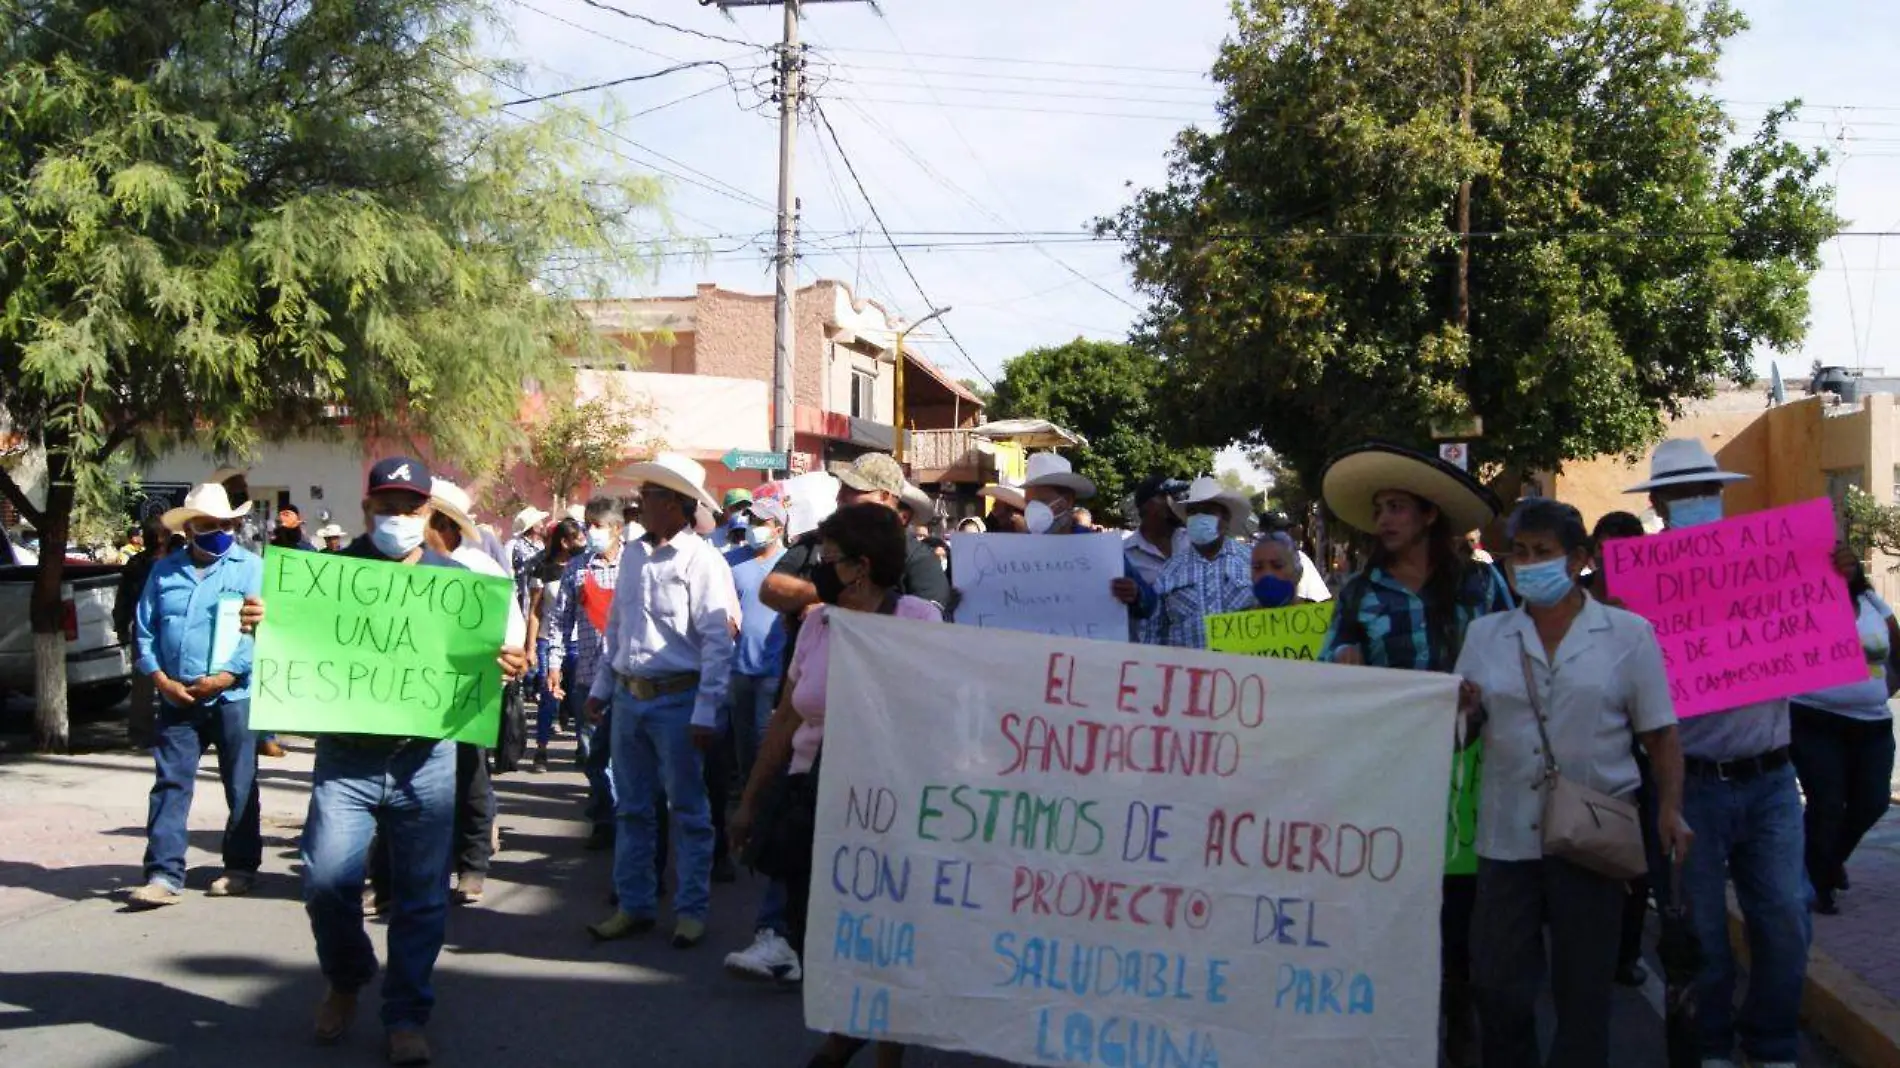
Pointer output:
98, 667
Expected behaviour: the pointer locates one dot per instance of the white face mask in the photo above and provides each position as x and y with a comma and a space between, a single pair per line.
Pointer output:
760, 536
1039, 517
599, 539
396, 535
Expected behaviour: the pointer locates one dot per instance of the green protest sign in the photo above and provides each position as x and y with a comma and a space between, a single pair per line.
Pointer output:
1461, 831
353, 646
1296, 632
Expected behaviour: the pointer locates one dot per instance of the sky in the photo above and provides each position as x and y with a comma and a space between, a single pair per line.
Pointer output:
1004, 128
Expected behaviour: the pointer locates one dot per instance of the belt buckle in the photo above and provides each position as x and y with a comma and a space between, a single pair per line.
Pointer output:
641, 688
1721, 771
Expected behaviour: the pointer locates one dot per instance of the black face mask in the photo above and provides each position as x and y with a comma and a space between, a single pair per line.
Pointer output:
828, 583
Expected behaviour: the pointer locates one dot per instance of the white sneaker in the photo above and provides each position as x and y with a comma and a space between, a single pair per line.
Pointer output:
767, 959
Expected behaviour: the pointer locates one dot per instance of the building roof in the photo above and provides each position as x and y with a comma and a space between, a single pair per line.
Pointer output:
942, 378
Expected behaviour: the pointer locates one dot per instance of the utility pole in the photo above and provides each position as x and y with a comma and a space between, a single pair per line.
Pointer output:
791, 69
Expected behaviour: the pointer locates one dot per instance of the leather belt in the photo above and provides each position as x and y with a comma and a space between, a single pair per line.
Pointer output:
1737, 770
646, 689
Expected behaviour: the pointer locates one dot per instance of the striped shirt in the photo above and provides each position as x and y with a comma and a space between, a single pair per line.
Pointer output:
1192, 587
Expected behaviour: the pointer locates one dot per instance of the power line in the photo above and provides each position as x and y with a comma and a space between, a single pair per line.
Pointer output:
1039, 111
990, 76
1040, 62
663, 24
631, 78
852, 170
591, 30
1040, 94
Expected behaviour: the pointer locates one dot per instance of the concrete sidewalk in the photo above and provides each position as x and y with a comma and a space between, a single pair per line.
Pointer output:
1853, 996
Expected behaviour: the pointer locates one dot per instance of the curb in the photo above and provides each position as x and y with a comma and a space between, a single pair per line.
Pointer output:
1861, 1024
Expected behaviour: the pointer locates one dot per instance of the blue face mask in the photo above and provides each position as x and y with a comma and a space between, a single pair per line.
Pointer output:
214, 542
1695, 511
1203, 530
1543, 585
1272, 591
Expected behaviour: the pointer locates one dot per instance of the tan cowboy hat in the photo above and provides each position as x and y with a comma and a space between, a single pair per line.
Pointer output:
681, 474
922, 508
206, 500
452, 501
1682, 462
1205, 489
1051, 469
1008, 496
1353, 477
527, 519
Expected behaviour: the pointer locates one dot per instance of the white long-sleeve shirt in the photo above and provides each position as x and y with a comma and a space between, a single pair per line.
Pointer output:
671, 614
473, 558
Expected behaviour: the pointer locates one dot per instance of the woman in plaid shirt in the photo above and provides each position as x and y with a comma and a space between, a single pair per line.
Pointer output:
1409, 609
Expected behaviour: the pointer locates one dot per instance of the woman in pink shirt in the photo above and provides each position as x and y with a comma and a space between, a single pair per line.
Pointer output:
864, 548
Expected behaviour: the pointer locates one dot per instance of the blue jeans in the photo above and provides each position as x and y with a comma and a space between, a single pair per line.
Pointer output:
596, 749
653, 751
408, 794
751, 699
1749, 832
772, 908
182, 735
546, 707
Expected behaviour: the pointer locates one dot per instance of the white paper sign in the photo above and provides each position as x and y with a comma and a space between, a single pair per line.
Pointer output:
1045, 584
813, 498
1063, 852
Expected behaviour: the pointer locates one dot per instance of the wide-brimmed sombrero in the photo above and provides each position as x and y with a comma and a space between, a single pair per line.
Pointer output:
1353, 477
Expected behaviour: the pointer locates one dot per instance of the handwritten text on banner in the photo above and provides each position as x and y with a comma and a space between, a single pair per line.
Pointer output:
369, 647
1296, 632
1086, 853
1045, 584
1748, 609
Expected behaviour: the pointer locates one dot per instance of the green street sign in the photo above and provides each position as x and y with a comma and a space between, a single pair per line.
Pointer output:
740, 460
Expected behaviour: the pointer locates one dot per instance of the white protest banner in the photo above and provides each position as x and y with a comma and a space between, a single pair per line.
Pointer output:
1063, 852
813, 498
1045, 584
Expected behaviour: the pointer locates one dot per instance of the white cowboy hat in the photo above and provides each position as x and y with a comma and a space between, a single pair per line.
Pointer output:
1353, 477
922, 508
527, 519
1051, 469
452, 500
206, 500
1205, 489
1683, 461
681, 474
1009, 496
331, 531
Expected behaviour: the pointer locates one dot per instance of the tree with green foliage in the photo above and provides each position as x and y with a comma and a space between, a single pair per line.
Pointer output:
225, 221
1412, 211
1109, 393
573, 443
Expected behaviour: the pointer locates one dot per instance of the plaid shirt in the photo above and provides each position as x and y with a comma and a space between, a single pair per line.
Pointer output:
1192, 587
1391, 629
570, 619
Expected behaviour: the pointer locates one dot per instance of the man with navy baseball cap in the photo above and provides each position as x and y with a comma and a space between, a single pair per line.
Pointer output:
402, 791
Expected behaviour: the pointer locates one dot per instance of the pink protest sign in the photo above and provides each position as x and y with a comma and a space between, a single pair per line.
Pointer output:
1748, 609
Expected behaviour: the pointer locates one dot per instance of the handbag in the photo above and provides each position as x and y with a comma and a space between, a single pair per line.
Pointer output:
511, 744
1586, 827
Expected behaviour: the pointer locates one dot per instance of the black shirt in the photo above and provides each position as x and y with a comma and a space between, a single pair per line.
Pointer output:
923, 577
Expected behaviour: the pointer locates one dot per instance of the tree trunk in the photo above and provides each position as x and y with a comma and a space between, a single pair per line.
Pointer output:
51, 731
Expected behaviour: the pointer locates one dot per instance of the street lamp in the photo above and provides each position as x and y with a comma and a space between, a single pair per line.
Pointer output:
897, 448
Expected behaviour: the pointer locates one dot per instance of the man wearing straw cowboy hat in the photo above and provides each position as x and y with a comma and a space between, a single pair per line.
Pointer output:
1739, 794
1214, 573
189, 642
1049, 493
666, 657
1409, 609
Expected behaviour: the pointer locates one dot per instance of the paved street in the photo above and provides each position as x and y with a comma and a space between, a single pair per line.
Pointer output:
83, 982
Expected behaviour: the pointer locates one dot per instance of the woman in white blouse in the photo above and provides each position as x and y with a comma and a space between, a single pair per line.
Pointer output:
1601, 685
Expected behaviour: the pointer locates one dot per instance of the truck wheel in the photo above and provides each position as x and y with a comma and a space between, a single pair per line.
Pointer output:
100, 698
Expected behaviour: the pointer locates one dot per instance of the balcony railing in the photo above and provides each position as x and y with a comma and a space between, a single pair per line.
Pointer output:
945, 451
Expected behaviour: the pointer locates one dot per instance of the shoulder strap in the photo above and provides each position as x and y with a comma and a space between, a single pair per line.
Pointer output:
1537, 706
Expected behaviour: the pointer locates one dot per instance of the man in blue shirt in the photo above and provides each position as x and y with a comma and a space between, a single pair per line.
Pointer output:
188, 641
